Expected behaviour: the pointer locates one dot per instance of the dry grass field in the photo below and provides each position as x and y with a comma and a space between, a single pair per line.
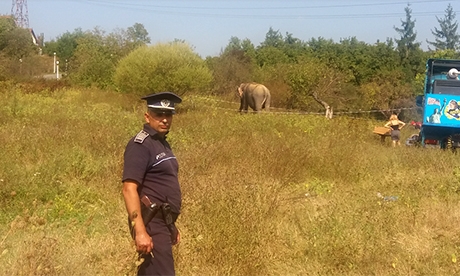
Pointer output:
265, 194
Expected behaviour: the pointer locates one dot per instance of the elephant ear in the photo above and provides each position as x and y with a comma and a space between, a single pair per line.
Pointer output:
240, 91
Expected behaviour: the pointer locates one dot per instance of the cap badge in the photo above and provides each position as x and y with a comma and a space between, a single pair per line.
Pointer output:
165, 103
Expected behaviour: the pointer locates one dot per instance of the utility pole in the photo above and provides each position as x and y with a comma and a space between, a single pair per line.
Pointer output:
54, 63
21, 13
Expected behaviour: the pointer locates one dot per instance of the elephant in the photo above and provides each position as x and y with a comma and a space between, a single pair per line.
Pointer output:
255, 95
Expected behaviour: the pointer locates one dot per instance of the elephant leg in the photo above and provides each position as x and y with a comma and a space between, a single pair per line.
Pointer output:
267, 104
258, 106
252, 103
243, 105
260, 102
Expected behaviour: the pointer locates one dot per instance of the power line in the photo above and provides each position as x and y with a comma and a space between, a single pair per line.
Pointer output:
255, 16
133, 4
222, 12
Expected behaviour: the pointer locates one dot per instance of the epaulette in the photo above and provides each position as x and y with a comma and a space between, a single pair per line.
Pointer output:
140, 137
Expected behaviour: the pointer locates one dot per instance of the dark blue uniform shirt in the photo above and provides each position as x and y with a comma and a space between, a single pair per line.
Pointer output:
149, 161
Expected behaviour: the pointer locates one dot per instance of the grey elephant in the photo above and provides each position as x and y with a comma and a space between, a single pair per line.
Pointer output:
255, 95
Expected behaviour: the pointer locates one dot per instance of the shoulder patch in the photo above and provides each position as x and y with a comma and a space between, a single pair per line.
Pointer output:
140, 137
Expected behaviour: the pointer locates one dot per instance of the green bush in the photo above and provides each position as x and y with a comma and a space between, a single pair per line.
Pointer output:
163, 67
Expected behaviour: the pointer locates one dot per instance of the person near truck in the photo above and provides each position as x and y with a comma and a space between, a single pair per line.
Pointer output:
395, 125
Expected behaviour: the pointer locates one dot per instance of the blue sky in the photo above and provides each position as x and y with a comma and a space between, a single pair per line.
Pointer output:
208, 25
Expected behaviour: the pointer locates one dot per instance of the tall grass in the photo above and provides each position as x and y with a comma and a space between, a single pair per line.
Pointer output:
266, 194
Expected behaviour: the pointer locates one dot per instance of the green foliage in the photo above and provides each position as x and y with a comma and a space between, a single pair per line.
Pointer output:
65, 45
312, 82
269, 55
408, 48
162, 67
138, 35
93, 62
359, 59
90, 57
121, 42
273, 39
386, 92
277, 49
15, 43
294, 47
302, 80
407, 42
446, 38
444, 54
7, 25
19, 57
229, 70
95, 57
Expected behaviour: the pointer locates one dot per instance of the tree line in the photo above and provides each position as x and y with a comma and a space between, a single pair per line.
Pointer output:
303, 75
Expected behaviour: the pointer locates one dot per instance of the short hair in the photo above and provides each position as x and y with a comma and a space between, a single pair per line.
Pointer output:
394, 117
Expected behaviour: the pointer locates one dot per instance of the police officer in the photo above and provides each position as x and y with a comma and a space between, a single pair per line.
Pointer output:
151, 169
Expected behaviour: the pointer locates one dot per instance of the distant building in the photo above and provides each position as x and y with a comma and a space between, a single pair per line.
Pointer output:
36, 40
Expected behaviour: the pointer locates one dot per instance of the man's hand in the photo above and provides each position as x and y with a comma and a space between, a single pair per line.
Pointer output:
177, 238
144, 243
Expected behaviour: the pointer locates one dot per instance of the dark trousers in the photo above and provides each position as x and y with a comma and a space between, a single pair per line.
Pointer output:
163, 262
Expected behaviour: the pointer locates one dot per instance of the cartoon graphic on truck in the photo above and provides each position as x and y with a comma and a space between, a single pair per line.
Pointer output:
441, 103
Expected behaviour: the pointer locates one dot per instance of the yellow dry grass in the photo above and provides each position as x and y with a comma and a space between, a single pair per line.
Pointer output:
266, 194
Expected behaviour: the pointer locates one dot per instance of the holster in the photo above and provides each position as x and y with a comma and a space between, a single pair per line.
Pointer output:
169, 221
148, 211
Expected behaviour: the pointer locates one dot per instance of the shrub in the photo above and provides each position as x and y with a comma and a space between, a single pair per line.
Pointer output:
163, 67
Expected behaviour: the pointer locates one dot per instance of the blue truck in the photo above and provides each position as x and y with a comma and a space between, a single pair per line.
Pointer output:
441, 104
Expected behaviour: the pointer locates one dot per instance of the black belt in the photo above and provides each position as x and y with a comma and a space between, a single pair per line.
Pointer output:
160, 215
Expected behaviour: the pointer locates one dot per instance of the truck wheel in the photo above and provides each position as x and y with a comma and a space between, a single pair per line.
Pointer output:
444, 143
453, 142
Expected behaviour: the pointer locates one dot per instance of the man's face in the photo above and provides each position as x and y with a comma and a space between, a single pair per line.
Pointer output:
159, 121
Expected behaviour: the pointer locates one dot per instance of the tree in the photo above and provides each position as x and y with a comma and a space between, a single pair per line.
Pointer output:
446, 37
407, 42
273, 38
294, 47
312, 81
65, 45
19, 44
409, 50
387, 91
17, 51
7, 25
236, 64
15, 42
271, 50
234, 44
162, 67
270, 55
138, 35
93, 63
93, 55
121, 42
